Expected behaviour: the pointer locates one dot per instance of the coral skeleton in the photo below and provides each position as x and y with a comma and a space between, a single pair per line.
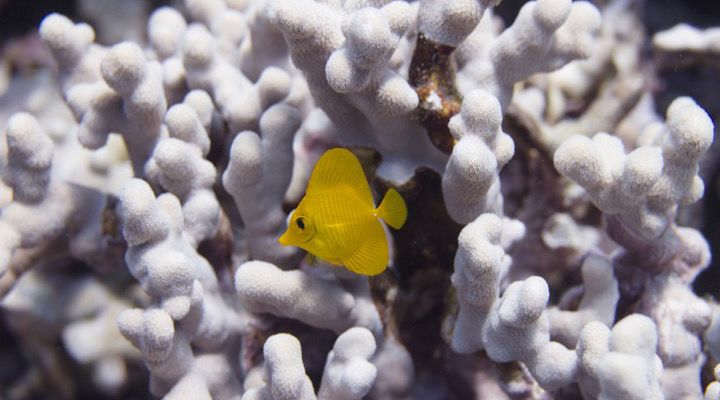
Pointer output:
557, 203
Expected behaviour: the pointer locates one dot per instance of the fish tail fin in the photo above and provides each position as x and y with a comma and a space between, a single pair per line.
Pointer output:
392, 209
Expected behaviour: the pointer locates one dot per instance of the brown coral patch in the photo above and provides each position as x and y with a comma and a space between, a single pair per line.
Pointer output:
432, 74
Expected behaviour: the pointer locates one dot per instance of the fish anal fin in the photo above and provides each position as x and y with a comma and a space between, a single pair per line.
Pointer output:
339, 168
371, 258
392, 209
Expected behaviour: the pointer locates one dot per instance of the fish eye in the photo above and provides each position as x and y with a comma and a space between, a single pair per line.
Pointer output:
300, 221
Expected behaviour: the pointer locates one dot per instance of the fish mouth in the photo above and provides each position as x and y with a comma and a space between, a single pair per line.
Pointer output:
284, 239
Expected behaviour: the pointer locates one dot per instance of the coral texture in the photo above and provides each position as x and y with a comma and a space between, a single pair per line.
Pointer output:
554, 237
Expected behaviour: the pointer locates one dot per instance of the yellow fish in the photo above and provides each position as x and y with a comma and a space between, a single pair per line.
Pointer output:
337, 220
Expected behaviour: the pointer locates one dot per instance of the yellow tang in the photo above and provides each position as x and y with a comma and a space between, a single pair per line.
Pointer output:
337, 220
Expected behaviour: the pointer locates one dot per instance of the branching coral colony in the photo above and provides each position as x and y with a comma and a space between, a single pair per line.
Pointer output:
179, 160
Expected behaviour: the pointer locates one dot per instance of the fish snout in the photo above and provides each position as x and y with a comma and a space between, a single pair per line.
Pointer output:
284, 239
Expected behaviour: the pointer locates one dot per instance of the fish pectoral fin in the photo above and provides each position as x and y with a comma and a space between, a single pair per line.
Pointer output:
392, 209
311, 259
372, 256
314, 259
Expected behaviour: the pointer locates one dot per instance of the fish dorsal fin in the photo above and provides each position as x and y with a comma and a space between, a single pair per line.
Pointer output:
392, 209
336, 168
371, 258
